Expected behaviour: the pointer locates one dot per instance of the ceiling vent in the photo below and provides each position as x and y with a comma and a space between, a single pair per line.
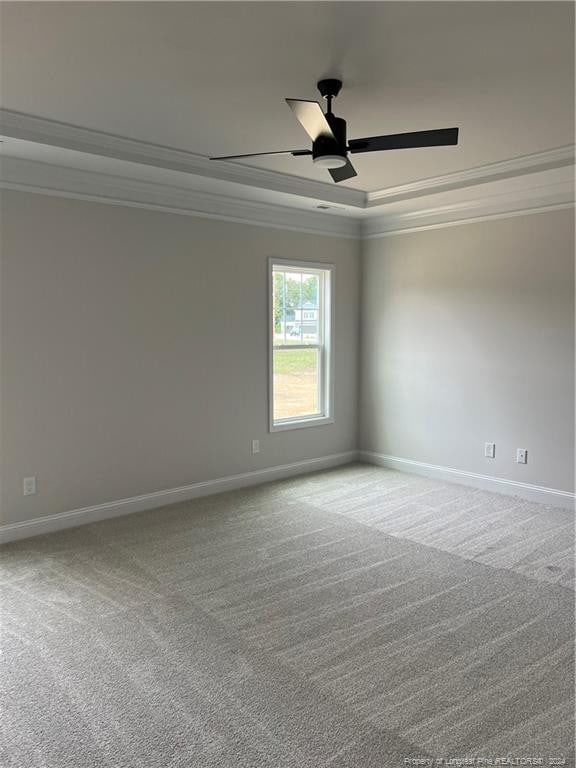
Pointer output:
324, 207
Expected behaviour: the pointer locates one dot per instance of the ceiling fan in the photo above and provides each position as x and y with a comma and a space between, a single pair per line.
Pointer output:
328, 133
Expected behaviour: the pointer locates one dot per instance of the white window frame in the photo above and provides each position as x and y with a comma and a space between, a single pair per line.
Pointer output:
325, 345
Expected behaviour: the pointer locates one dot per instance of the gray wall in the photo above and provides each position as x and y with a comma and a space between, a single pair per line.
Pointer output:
134, 351
468, 337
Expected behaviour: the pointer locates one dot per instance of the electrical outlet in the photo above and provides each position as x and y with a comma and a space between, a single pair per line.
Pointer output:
29, 486
490, 450
521, 456
255, 446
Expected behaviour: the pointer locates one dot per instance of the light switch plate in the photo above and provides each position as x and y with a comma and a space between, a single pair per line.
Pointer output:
490, 450
29, 486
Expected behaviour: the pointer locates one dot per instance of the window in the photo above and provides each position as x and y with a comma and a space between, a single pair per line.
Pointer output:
300, 344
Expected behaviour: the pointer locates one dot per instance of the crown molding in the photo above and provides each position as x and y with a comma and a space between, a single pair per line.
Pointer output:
227, 191
42, 178
19, 125
503, 169
539, 199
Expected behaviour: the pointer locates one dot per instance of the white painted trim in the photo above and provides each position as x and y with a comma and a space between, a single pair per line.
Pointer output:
18, 125
27, 127
536, 493
50, 523
42, 178
470, 220
549, 197
503, 169
312, 421
368, 215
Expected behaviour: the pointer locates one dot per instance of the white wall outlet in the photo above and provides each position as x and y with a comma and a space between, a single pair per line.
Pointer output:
521, 456
255, 446
490, 450
29, 486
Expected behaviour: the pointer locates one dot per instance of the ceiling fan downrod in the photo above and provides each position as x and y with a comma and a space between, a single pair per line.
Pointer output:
329, 89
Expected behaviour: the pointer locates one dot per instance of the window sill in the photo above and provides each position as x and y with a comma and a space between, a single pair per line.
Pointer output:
316, 421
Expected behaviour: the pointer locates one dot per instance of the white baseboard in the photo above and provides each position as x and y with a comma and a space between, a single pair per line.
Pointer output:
50, 523
75, 517
537, 493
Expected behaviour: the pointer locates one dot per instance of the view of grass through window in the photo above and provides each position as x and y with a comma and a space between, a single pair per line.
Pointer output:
297, 339
295, 382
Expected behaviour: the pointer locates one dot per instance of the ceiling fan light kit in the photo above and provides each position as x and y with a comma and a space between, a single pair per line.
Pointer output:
330, 147
329, 161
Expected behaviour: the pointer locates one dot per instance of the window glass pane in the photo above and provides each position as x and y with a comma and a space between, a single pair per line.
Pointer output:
310, 290
278, 307
296, 382
296, 313
309, 326
310, 311
293, 299
293, 287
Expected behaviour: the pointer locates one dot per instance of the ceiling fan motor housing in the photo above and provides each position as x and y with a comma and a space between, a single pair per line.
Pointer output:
326, 145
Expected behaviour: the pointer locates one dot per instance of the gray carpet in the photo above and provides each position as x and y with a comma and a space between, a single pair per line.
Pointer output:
348, 619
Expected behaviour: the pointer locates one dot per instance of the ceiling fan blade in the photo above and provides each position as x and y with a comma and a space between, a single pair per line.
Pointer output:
341, 174
296, 152
310, 116
438, 138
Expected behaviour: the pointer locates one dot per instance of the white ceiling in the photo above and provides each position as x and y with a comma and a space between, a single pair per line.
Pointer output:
211, 78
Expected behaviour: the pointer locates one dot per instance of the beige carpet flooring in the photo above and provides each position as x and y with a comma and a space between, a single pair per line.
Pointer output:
355, 618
